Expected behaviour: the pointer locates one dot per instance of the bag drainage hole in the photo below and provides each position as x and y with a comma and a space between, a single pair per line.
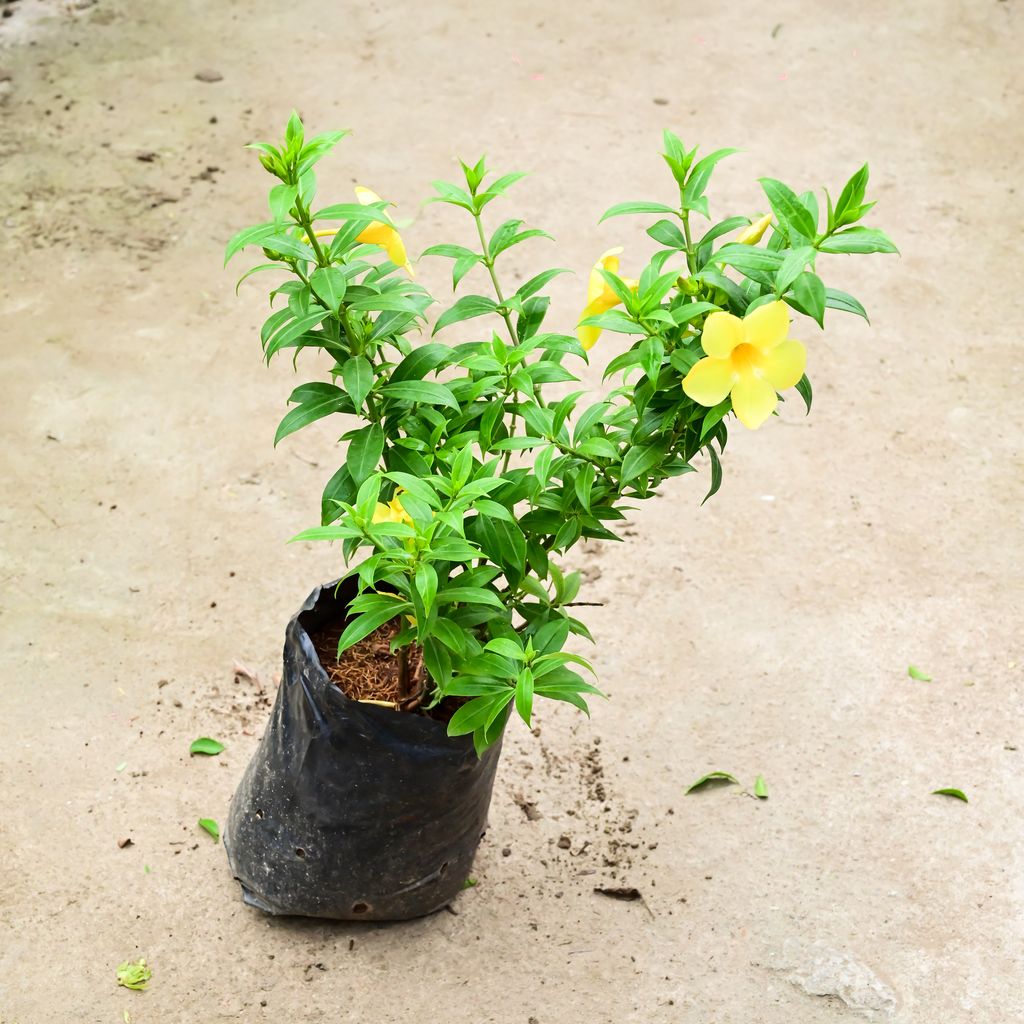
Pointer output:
444, 868
300, 853
259, 815
360, 908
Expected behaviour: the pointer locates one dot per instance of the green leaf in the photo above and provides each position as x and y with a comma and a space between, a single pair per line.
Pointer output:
469, 595
716, 473
329, 283
667, 233
478, 712
685, 314
250, 236
426, 585
713, 779
722, 228
206, 745
286, 245
747, 257
615, 321
364, 451
499, 187
423, 391
524, 695
363, 625
792, 265
701, 175
835, 299
959, 794
312, 410
294, 330
809, 291
638, 207
506, 648
451, 635
357, 375
421, 361
415, 486
452, 252
451, 194
354, 212
915, 673
466, 308
803, 385
462, 267
134, 974
791, 214
340, 488
760, 788
640, 460
858, 240
209, 825
850, 198
535, 284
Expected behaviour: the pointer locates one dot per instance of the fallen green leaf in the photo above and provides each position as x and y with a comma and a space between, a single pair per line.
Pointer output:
713, 778
121, 767
134, 974
469, 883
915, 673
206, 745
146, 869
760, 788
959, 794
210, 826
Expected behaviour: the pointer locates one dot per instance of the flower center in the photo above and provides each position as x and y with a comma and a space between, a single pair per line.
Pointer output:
745, 359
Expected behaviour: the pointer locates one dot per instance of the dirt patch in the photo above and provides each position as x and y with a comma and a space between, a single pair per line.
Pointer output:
369, 670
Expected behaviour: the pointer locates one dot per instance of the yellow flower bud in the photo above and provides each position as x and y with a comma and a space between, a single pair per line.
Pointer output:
753, 234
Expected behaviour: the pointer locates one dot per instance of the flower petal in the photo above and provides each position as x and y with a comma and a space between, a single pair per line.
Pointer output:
722, 333
589, 335
767, 326
709, 381
753, 400
784, 365
608, 261
389, 240
367, 196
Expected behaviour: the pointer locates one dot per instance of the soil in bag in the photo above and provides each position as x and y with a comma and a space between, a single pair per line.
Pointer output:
352, 810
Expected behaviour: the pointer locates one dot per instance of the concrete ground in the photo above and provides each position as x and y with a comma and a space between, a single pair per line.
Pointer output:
144, 515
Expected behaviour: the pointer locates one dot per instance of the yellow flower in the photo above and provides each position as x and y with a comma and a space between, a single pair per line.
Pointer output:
392, 512
383, 235
600, 296
749, 359
752, 235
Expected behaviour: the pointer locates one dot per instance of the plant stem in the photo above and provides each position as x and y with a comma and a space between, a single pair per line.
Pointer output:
690, 255
403, 673
489, 263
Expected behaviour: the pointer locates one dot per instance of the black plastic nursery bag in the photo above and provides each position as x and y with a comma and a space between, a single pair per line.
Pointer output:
348, 810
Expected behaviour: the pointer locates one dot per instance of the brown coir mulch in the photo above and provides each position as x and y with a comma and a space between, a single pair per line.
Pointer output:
368, 670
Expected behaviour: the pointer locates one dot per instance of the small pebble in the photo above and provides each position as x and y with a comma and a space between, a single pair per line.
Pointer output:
209, 75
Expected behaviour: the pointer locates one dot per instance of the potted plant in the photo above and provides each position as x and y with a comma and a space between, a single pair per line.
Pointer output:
463, 483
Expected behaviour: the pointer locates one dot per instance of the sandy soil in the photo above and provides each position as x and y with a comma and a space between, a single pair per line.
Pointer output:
144, 516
